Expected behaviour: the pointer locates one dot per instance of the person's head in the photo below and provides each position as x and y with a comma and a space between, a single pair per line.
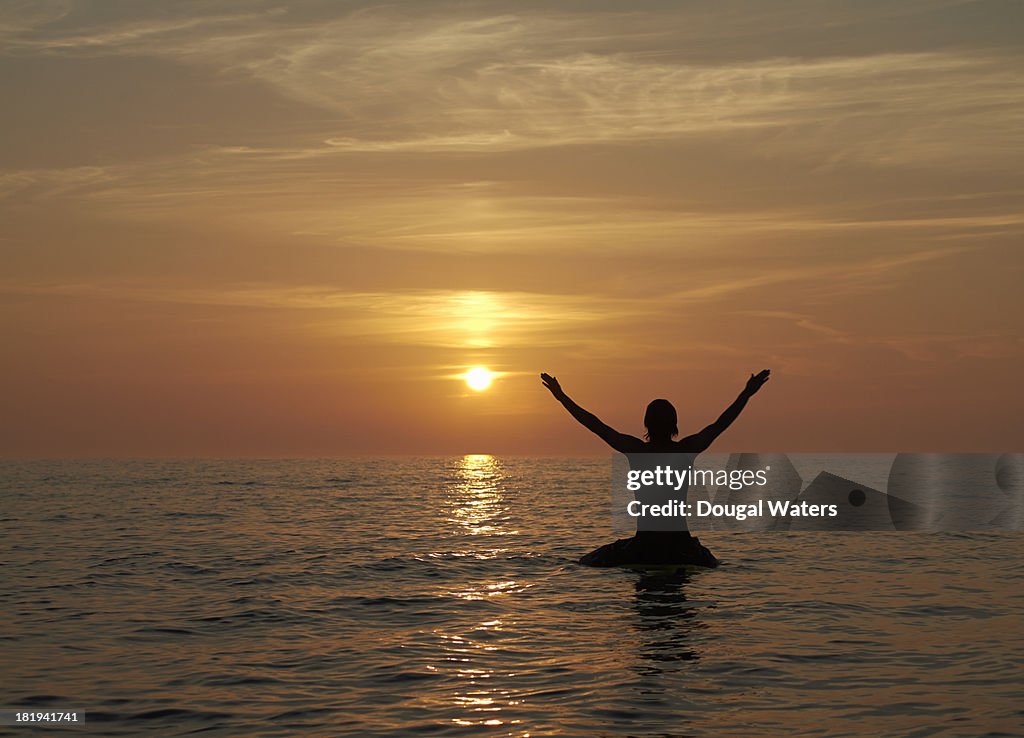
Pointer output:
660, 421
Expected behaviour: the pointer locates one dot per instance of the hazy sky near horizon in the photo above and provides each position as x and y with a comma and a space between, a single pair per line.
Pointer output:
261, 228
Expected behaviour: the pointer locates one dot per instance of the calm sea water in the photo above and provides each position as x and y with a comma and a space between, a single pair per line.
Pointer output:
439, 597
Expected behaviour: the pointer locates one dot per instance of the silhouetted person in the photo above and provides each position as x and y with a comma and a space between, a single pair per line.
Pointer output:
656, 546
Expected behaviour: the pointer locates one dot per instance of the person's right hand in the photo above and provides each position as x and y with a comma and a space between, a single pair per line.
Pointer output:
756, 382
552, 384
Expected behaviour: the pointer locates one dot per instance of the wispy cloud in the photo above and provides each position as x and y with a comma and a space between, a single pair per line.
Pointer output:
54, 182
937, 345
415, 113
443, 79
490, 318
393, 211
440, 318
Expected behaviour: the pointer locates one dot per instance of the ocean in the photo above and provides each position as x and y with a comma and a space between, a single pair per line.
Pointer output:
440, 597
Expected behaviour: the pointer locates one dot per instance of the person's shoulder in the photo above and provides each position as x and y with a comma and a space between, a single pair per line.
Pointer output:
690, 444
631, 444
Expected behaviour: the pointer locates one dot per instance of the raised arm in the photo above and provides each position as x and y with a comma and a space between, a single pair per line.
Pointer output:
705, 438
618, 441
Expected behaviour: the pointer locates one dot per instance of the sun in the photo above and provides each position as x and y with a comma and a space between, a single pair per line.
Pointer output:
478, 378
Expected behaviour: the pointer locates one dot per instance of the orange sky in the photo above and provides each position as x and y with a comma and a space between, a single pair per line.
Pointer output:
239, 229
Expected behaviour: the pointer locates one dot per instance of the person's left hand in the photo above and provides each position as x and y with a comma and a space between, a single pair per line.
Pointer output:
552, 384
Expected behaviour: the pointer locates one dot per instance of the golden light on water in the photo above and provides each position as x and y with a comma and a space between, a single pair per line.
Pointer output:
479, 378
478, 506
477, 499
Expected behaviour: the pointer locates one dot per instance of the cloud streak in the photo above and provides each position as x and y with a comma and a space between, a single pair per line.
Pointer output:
445, 81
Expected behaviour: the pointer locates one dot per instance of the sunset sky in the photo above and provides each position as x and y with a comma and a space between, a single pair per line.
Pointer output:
262, 229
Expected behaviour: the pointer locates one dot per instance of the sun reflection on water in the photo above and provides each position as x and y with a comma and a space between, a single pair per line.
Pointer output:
477, 506
478, 701
476, 499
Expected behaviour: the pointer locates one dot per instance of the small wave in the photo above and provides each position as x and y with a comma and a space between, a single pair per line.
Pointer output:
259, 614
257, 581
70, 585
187, 568
130, 559
231, 680
292, 714
181, 514
41, 699
178, 714
164, 630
